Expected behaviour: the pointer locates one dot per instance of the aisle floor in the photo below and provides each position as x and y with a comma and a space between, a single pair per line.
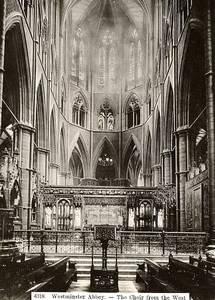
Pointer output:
84, 285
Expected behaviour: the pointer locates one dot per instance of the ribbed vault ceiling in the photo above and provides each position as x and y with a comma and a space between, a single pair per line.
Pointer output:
135, 11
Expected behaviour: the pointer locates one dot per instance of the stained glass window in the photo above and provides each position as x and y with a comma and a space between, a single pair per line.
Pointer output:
132, 63
112, 66
101, 78
74, 58
140, 60
81, 61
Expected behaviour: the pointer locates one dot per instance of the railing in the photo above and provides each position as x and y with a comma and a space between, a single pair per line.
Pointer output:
127, 242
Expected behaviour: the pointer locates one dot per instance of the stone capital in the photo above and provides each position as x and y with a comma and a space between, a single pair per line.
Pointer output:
166, 152
24, 127
182, 130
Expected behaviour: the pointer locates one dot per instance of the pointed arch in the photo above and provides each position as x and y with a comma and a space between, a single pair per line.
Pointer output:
63, 95
106, 114
79, 109
105, 143
17, 83
52, 135
192, 108
132, 158
194, 32
132, 110
157, 138
103, 99
148, 161
41, 118
63, 165
169, 118
79, 144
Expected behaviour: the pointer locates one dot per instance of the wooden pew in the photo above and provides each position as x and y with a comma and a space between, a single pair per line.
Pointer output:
191, 279
147, 269
210, 258
158, 285
12, 274
54, 277
44, 286
187, 270
207, 266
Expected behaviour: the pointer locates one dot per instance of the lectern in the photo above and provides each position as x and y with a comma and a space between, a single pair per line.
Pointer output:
104, 279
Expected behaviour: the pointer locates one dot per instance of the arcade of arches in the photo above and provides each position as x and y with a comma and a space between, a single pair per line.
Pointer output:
107, 114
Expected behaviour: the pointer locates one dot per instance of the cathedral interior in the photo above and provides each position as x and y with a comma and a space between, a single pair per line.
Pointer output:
110, 120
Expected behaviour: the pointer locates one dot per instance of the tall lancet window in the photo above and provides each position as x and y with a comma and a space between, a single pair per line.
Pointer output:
81, 61
112, 66
74, 67
132, 63
79, 111
139, 60
101, 77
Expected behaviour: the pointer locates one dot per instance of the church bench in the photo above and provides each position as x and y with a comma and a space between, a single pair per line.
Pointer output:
44, 286
208, 266
158, 285
177, 266
53, 277
31, 264
14, 271
186, 275
210, 258
147, 269
154, 268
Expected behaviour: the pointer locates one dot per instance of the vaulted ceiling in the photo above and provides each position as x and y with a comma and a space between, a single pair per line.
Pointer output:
121, 12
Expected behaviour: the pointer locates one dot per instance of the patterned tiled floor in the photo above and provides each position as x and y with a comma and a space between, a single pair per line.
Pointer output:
84, 285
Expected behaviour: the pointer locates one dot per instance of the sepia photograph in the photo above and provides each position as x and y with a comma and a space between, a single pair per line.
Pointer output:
107, 149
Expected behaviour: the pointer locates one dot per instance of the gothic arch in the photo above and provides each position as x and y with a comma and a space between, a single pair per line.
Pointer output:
53, 137
83, 96
169, 117
147, 152
132, 111
105, 142
63, 164
192, 109
41, 116
112, 104
131, 148
195, 30
17, 83
158, 137
79, 144
128, 98
63, 95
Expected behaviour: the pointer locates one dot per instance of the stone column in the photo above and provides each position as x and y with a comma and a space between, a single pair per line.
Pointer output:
54, 173
2, 47
43, 164
156, 175
26, 138
209, 79
182, 173
167, 166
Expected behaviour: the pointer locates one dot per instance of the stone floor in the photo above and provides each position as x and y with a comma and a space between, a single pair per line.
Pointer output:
84, 285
